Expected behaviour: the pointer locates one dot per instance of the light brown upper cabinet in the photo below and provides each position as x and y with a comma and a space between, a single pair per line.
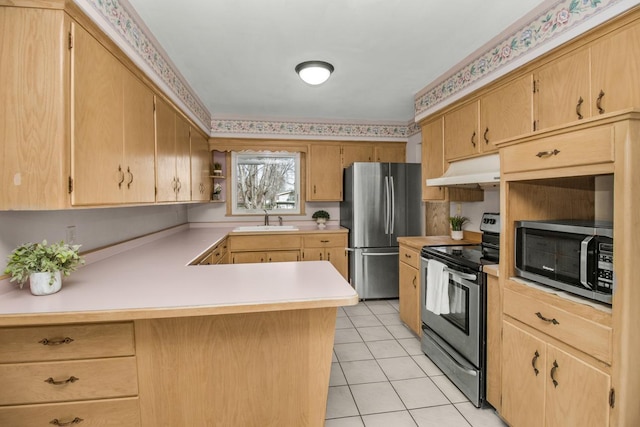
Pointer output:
324, 178
615, 67
461, 137
112, 128
506, 112
200, 167
356, 153
390, 152
562, 90
173, 178
433, 158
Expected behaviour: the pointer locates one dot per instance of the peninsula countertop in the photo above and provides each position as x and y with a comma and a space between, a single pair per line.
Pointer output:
151, 278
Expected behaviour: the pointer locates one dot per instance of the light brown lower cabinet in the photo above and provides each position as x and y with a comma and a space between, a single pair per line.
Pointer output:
494, 342
271, 256
409, 288
327, 247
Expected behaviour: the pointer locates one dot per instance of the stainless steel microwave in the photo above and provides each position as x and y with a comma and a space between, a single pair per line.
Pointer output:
573, 256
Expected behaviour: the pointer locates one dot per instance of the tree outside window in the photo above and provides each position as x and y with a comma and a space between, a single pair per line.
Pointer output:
264, 180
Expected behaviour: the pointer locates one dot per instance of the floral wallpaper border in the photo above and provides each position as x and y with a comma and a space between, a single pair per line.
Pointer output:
559, 18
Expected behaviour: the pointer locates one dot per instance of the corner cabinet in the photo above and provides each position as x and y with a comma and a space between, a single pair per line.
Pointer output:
201, 183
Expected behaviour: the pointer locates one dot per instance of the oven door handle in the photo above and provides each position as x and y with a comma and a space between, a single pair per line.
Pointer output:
439, 341
466, 276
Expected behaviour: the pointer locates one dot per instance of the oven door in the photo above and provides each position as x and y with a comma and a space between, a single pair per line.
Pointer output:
461, 327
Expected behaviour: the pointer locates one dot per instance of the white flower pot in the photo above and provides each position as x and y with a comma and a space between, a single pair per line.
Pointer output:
321, 223
457, 234
40, 283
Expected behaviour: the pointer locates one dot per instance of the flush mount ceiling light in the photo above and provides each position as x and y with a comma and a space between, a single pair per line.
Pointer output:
314, 72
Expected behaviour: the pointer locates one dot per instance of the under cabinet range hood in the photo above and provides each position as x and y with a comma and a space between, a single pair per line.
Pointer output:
476, 171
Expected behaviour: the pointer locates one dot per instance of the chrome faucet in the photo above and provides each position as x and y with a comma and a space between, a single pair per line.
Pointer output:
280, 220
266, 217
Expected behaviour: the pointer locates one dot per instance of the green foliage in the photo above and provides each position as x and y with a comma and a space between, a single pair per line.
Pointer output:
320, 214
457, 222
42, 258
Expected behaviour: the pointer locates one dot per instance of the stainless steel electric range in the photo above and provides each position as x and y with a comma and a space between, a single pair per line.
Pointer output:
454, 329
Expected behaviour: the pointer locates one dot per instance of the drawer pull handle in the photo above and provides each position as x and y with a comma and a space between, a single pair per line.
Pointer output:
407, 255
57, 422
541, 317
599, 102
46, 341
546, 154
324, 241
71, 379
553, 373
534, 361
579, 108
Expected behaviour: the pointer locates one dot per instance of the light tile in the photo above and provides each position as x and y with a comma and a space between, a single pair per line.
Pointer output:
401, 368
427, 365
362, 371
419, 393
344, 422
412, 345
374, 333
439, 416
390, 319
357, 310
362, 321
381, 307
400, 331
395, 304
385, 349
337, 376
376, 397
333, 357
449, 389
340, 403
389, 419
343, 336
352, 351
484, 417
340, 312
343, 323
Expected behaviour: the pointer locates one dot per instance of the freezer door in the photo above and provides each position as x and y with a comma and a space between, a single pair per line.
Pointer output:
374, 272
369, 199
406, 191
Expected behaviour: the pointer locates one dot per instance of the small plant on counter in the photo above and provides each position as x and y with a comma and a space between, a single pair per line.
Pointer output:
320, 215
457, 222
32, 258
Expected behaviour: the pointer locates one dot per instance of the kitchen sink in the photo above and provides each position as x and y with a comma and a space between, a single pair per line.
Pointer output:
266, 228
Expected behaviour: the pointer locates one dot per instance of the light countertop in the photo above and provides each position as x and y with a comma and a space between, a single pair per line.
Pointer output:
151, 278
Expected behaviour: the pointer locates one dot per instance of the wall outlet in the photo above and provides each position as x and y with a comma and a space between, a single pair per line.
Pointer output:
71, 234
458, 209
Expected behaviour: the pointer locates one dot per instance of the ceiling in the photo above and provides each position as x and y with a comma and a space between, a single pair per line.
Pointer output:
239, 56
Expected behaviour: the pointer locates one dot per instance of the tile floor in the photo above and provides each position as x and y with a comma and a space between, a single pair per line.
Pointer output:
381, 378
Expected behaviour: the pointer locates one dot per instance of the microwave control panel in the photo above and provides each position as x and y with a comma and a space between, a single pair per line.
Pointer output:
605, 267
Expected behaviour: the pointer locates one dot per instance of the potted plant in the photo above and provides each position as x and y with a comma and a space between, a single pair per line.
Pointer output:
217, 189
321, 218
457, 222
217, 169
43, 265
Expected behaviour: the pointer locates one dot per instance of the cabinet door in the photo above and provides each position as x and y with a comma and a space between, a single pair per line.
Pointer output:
283, 256
391, 152
200, 168
494, 342
522, 386
139, 141
580, 394
165, 152
338, 258
409, 297
506, 112
325, 173
615, 67
461, 137
183, 159
362, 152
433, 158
248, 257
97, 124
560, 86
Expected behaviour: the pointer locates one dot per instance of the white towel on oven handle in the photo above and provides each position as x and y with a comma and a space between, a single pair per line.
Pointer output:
437, 298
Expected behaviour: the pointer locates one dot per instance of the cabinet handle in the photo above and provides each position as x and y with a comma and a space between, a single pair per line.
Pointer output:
329, 257
324, 241
57, 422
579, 107
174, 184
541, 317
178, 185
534, 361
121, 174
71, 379
414, 281
407, 255
599, 102
473, 138
486, 140
201, 188
553, 373
314, 189
546, 154
46, 341
320, 256
130, 176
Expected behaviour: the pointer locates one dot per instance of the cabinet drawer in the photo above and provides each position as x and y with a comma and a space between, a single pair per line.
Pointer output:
94, 379
264, 242
98, 413
410, 256
584, 147
324, 240
583, 334
63, 342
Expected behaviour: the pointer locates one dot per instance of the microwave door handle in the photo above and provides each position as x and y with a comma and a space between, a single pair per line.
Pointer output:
584, 256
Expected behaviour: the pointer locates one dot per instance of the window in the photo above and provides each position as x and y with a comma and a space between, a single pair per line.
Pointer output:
265, 180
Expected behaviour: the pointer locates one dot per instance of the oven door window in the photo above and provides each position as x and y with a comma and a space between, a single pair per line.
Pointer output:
458, 314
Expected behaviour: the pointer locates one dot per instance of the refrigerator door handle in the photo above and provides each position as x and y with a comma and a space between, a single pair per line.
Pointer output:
387, 205
380, 254
392, 217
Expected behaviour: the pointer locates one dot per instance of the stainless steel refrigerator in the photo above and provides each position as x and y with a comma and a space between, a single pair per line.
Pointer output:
382, 201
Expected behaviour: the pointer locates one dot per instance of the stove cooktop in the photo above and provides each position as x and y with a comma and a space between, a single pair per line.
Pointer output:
469, 255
